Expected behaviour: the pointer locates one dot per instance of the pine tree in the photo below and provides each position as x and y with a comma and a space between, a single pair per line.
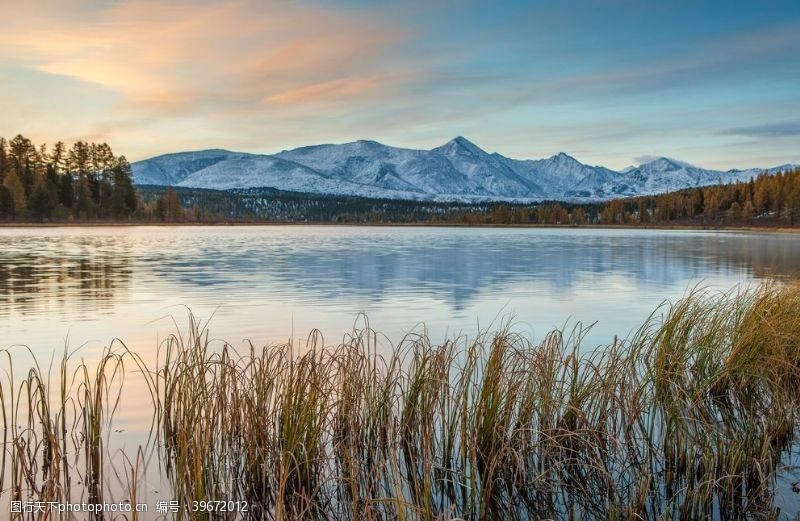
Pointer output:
66, 192
40, 203
123, 196
14, 186
20, 154
3, 159
6, 204
58, 158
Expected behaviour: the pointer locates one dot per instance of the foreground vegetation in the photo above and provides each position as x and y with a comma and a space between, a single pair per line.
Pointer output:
689, 418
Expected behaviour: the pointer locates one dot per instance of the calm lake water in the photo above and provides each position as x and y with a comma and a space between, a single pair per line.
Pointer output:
88, 285
84, 286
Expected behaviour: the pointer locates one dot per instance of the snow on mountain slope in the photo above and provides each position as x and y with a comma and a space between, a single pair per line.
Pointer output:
456, 171
489, 172
363, 162
456, 168
564, 177
274, 172
171, 169
665, 175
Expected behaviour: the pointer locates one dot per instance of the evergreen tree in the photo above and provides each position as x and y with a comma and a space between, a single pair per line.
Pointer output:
85, 181
58, 158
66, 191
6, 204
20, 154
41, 204
123, 196
3, 159
52, 185
14, 186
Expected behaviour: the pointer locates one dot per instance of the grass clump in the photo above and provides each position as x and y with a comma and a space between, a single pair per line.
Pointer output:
690, 417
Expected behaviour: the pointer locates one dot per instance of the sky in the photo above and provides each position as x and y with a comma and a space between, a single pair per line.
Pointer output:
611, 82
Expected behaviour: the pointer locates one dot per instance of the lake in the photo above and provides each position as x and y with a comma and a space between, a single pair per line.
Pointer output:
88, 285
81, 287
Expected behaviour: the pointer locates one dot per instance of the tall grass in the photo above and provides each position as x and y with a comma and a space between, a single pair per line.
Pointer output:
55, 427
688, 418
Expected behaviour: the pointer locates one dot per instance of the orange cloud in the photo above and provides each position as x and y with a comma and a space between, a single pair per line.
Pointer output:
182, 55
326, 91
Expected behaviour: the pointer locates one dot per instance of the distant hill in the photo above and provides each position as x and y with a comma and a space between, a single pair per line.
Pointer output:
459, 170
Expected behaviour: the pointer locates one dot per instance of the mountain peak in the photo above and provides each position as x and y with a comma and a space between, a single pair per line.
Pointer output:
563, 157
663, 164
367, 142
460, 145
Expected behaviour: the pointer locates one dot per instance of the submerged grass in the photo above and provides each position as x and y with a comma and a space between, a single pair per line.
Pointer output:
689, 418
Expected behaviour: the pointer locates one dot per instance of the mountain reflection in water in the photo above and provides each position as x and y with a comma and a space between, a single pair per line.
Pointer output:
285, 277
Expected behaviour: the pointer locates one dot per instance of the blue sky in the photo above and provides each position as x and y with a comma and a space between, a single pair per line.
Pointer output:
610, 82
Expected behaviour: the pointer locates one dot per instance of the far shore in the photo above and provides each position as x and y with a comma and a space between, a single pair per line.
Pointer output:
96, 224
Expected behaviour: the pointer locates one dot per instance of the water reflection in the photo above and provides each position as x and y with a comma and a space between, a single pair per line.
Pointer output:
116, 281
462, 264
77, 275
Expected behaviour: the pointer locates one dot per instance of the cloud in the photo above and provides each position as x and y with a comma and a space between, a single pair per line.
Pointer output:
770, 130
191, 56
329, 90
152, 76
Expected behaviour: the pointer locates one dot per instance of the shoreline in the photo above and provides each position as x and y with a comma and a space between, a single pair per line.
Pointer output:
94, 224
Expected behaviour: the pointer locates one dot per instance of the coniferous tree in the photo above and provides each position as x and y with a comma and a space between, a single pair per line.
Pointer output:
66, 191
3, 159
13, 184
85, 181
41, 203
52, 185
20, 152
78, 163
123, 196
6, 204
58, 158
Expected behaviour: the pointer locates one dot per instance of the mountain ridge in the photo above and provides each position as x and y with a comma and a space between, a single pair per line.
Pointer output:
458, 170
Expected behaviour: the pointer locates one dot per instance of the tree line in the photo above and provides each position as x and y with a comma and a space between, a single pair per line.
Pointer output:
767, 200
83, 182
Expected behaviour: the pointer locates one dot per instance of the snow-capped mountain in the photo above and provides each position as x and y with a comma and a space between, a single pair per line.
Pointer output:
456, 171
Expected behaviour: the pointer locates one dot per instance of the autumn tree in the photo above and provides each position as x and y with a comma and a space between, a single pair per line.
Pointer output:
168, 207
578, 217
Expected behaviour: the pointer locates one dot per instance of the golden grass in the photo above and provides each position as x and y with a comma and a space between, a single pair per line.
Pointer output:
688, 418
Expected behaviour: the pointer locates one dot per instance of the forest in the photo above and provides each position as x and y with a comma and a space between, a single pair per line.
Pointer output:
765, 201
768, 200
83, 182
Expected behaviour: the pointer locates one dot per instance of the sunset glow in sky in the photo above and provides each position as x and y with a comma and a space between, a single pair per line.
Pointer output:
607, 81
